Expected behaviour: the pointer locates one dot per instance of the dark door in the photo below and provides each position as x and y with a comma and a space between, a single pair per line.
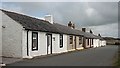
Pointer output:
49, 43
75, 42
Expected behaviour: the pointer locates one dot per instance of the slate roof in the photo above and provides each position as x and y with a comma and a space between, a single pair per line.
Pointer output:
31, 23
89, 35
68, 30
34, 24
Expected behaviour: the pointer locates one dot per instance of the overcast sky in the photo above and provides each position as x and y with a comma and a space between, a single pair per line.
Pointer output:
101, 17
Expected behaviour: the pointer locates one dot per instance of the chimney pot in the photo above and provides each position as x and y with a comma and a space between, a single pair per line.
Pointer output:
91, 32
99, 35
84, 29
70, 24
73, 26
49, 18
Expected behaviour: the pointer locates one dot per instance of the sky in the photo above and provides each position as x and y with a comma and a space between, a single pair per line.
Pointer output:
100, 17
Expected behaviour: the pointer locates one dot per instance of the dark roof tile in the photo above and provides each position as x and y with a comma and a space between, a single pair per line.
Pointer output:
31, 23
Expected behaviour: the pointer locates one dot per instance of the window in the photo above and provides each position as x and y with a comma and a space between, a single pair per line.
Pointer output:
54, 38
71, 39
34, 41
80, 40
61, 40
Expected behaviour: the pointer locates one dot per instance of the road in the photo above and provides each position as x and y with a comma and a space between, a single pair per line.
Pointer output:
102, 56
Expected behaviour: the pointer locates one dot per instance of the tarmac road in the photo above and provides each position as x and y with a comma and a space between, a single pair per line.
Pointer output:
102, 56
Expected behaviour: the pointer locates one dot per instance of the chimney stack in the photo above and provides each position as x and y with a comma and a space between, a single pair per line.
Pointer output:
49, 18
84, 29
99, 35
71, 25
91, 32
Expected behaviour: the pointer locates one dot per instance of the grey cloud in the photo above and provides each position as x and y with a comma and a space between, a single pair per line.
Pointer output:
83, 14
103, 13
110, 30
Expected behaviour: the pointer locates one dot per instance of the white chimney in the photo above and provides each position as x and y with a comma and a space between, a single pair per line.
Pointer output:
49, 18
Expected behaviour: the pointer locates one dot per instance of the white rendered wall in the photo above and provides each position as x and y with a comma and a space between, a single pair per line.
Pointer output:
78, 46
56, 44
24, 44
100, 43
11, 37
70, 47
89, 42
96, 42
42, 45
103, 43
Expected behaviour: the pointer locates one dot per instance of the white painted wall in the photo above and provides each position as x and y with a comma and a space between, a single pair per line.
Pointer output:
42, 45
103, 43
100, 43
56, 44
11, 37
96, 42
24, 44
79, 46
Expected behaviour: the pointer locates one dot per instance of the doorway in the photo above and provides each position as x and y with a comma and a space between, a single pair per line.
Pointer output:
49, 43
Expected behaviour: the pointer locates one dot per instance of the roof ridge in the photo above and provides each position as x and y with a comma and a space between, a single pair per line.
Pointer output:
22, 14
32, 23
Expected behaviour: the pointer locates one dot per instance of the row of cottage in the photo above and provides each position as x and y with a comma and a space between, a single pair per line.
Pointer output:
26, 37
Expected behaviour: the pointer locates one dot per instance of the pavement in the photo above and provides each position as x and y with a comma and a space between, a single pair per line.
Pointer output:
102, 56
8, 60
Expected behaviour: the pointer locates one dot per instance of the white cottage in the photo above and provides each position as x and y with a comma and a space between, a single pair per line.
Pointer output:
96, 42
103, 42
74, 37
27, 37
91, 40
